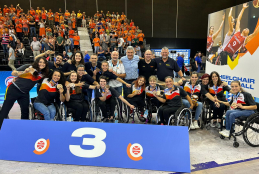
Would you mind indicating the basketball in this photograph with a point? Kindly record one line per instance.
(256, 3)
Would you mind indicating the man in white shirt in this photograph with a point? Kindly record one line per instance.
(120, 43)
(118, 69)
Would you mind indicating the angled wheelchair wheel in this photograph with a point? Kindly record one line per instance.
(31, 112)
(183, 118)
(251, 131)
(239, 127)
(124, 117)
(58, 116)
(117, 111)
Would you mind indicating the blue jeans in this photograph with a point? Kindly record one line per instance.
(89, 95)
(198, 108)
(118, 89)
(199, 67)
(49, 112)
(96, 49)
(113, 47)
(120, 49)
(66, 48)
(72, 44)
(129, 43)
(33, 30)
(232, 114)
(5, 49)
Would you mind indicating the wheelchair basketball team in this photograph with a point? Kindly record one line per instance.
(169, 100)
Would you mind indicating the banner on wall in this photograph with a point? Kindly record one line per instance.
(5, 79)
(149, 147)
(232, 45)
(185, 52)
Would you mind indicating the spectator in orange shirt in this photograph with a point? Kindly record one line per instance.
(71, 34)
(131, 22)
(48, 31)
(141, 37)
(129, 39)
(96, 42)
(12, 8)
(56, 19)
(5, 10)
(25, 26)
(74, 23)
(32, 12)
(76, 41)
(19, 30)
(50, 18)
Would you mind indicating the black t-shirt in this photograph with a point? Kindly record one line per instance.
(52, 67)
(23, 67)
(32, 25)
(89, 68)
(243, 98)
(174, 98)
(167, 68)
(109, 76)
(218, 91)
(147, 69)
(133, 89)
(77, 96)
(68, 67)
(190, 89)
(87, 79)
(100, 92)
(149, 93)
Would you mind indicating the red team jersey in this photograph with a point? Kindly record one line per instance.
(209, 43)
(235, 43)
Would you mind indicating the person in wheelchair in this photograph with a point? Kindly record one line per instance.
(105, 96)
(241, 104)
(84, 77)
(193, 89)
(51, 89)
(136, 94)
(216, 88)
(172, 99)
(75, 96)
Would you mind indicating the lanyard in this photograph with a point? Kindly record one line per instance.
(93, 68)
(236, 96)
(215, 89)
(168, 89)
(192, 88)
(154, 89)
(116, 66)
(55, 83)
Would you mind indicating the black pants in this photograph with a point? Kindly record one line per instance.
(81, 108)
(125, 88)
(165, 111)
(60, 49)
(217, 112)
(19, 35)
(154, 102)
(224, 57)
(12, 94)
(111, 103)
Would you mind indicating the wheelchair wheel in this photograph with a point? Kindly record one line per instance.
(202, 119)
(182, 117)
(222, 137)
(96, 112)
(140, 114)
(239, 128)
(236, 144)
(31, 112)
(117, 110)
(124, 117)
(58, 116)
(251, 131)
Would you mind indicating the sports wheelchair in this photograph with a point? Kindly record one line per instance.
(97, 114)
(248, 127)
(37, 115)
(70, 112)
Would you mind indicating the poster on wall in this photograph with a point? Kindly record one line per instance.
(6, 78)
(232, 45)
(173, 53)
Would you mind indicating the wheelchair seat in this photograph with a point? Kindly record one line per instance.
(242, 118)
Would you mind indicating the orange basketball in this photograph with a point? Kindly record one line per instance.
(256, 3)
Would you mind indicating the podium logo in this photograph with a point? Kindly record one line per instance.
(41, 146)
(135, 151)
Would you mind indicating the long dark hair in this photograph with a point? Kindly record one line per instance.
(44, 71)
(136, 82)
(219, 82)
(74, 60)
(62, 79)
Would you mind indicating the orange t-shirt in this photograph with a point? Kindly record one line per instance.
(32, 12)
(96, 42)
(50, 17)
(12, 9)
(48, 30)
(67, 14)
(6, 10)
(61, 33)
(18, 28)
(123, 17)
(70, 33)
(141, 37)
(74, 23)
(37, 18)
(101, 31)
(44, 16)
(76, 38)
(56, 18)
(61, 18)
(18, 12)
(92, 25)
(129, 38)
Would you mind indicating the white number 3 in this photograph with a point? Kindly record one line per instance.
(99, 145)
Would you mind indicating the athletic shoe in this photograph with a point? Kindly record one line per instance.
(111, 119)
(146, 121)
(133, 121)
(225, 133)
(105, 120)
(218, 125)
(192, 126)
(68, 118)
(195, 124)
(213, 124)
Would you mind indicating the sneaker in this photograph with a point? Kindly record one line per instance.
(218, 125)
(225, 133)
(146, 121)
(192, 126)
(195, 124)
(133, 121)
(68, 118)
(105, 120)
(162, 124)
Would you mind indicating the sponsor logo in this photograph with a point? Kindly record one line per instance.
(41, 146)
(135, 151)
(8, 80)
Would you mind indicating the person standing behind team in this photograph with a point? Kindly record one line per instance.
(130, 62)
(180, 63)
(117, 69)
(198, 62)
(166, 66)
